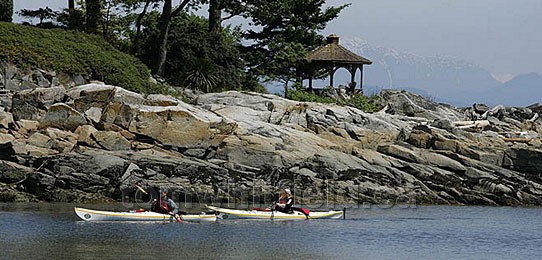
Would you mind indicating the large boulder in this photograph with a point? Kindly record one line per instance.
(31, 104)
(40, 140)
(179, 127)
(523, 160)
(62, 116)
(421, 157)
(400, 102)
(112, 141)
(161, 100)
(11, 172)
(85, 135)
(99, 96)
(6, 119)
(62, 141)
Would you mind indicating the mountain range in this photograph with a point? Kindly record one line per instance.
(442, 78)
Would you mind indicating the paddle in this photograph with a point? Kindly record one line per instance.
(141, 189)
(272, 207)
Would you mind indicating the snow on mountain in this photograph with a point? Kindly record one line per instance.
(441, 78)
(522, 90)
(444, 78)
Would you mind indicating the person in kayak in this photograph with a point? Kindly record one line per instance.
(166, 206)
(285, 202)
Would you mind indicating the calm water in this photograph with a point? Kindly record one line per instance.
(52, 231)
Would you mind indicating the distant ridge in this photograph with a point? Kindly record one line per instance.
(445, 78)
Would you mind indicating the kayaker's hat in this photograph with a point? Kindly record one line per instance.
(288, 191)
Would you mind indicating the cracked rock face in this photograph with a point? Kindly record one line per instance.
(97, 142)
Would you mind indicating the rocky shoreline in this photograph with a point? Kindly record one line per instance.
(95, 142)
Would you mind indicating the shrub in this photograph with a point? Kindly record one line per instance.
(298, 93)
(73, 52)
(368, 104)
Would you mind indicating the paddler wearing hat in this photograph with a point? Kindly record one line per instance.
(285, 201)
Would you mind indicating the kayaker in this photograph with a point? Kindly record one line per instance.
(166, 206)
(285, 202)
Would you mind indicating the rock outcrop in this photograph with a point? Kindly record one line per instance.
(97, 142)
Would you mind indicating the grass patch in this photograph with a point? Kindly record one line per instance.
(73, 52)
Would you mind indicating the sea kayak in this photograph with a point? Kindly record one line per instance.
(98, 215)
(225, 213)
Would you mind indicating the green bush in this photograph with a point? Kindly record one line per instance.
(73, 52)
(368, 104)
(298, 93)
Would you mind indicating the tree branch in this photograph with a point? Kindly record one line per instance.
(180, 8)
(228, 17)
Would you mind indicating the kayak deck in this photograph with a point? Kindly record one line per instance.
(224, 213)
(98, 215)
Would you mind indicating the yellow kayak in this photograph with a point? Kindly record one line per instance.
(98, 215)
(225, 213)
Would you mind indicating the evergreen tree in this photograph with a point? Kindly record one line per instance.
(287, 30)
(6, 10)
(42, 14)
(93, 15)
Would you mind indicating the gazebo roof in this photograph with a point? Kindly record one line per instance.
(333, 52)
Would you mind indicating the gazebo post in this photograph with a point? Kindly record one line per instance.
(352, 85)
(310, 82)
(331, 73)
(361, 79)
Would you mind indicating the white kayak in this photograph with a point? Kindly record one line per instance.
(98, 215)
(225, 213)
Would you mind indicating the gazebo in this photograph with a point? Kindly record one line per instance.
(332, 57)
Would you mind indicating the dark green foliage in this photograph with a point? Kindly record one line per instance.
(93, 15)
(42, 14)
(196, 57)
(200, 55)
(288, 30)
(366, 103)
(298, 93)
(72, 19)
(6, 10)
(72, 52)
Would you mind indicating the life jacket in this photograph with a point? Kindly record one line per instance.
(160, 206)
(288, 203)
(164, 207)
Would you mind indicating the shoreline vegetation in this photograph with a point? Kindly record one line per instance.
(67, 137)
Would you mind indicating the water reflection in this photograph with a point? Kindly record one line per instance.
(52, 231)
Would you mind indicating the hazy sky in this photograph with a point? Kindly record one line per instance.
(500, 35)
(503, 36)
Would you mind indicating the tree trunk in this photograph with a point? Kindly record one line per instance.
(135, 45)
(71, 5)
(93, 15)
(215, 16)
(163, 25)
(286, 88)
